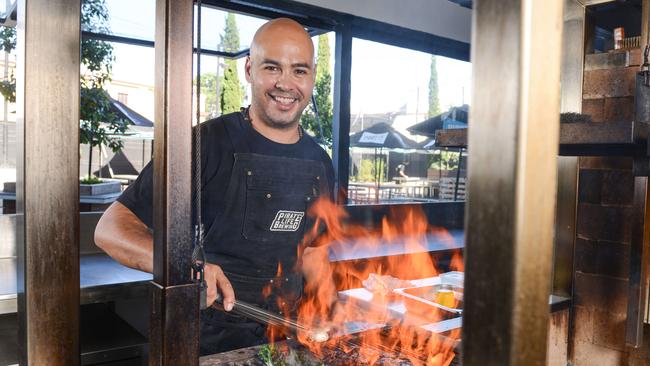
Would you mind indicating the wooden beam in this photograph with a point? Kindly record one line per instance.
(174, 329)
(513, 146)
(48, 180)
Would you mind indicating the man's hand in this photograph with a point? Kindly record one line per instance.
(218, 283)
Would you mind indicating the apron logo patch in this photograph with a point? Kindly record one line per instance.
(287, 220)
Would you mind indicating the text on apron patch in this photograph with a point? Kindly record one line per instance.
(287, 220)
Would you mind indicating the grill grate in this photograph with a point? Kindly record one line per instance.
(296, 354)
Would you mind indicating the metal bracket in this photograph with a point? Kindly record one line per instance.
(173, 345)
(641, 126)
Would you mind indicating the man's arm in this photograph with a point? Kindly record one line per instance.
(123, 236)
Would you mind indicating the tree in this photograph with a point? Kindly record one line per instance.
(209, 82)
(98, 123)
(7, 44)
(322, 95)
(434, 102)
(232, 92)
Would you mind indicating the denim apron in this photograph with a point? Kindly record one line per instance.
(258, 232)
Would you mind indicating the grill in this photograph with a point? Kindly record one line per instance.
(292, 353)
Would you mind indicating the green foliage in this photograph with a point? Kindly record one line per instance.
(269, 356)
(8, 89)
(230, 36)
(8, 44)
(7, 38)
(444, 160)
(324, 54)
(94, 16)
(90, 180)
(434, 102)
(367, 171)
(272, 356)
(98, 122)
(97, 59)
(322, 94)
(209, 83)
(232, 92)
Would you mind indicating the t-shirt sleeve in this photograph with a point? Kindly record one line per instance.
(138, 197)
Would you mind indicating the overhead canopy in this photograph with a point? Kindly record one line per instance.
(382, 135)
(455, 117)
(129, 114)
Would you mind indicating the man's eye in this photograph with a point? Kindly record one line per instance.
(271, 68)
(301, 72)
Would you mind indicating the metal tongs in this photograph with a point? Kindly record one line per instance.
(263, 316)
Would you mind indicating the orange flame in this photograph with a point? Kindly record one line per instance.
(323, 281)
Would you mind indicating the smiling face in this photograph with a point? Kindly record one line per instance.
(280, 69)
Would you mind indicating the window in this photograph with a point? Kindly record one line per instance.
(214, 24)
(132, 19)
(396, 105)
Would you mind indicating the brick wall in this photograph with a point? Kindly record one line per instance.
(602, 251)
(605, 198)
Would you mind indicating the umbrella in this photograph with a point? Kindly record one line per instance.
(129, 114)
(455, 117)
(380, 136)
(139, 128)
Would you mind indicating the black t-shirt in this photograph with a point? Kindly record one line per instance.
(138, 197)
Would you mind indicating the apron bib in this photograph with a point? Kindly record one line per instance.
(262, 223)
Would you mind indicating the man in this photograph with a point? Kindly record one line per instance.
(260, 174)
(401, 174)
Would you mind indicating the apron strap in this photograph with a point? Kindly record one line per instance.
(228, 132)
(236, 133)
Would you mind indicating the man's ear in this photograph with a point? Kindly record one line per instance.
(247, 68)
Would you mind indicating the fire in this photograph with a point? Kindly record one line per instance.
(319, 310)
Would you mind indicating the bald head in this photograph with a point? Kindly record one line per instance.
(281, 71)
(281, 30)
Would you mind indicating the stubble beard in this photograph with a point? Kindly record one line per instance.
(268, 120)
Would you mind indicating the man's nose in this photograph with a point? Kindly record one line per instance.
(284, 82)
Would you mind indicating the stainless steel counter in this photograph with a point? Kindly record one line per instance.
(101, 279)
(360, 249)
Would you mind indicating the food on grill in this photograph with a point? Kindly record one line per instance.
(319, 335)
(384, 285)
(270, 355)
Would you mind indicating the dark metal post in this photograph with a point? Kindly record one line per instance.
(637, 292)
(342, 93)
(174, 332)
(567, 189)
(48, 181)
(513, 146)
(638, 264)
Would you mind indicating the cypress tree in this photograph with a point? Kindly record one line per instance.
(322, 94)
(434, 102)
(232, 92)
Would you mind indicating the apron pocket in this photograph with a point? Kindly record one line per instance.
(271, 216)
